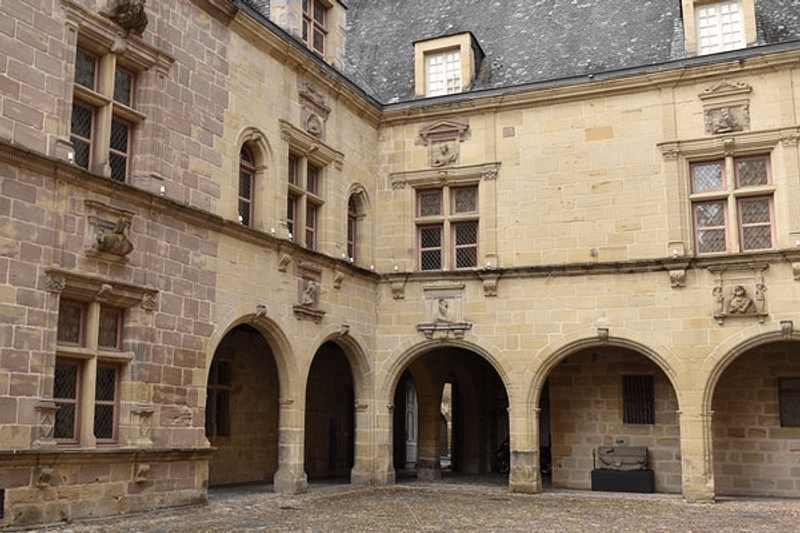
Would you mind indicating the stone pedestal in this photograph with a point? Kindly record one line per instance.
(525, 475)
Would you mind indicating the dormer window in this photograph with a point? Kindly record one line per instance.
(712, 26)
(315, 30)
(446, 65)
(443, 73)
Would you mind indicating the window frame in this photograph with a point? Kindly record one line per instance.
(249, 168)
(214, 391)
(444, 80)
(113, 403)
(108, 112)
(689, 10)
(448, 220)
(312, 26)
(76, 402)
(715, 11)
(731, 195)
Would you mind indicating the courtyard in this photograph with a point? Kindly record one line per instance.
(450, 505)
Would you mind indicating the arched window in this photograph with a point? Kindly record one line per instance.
(247, 174)
(352, 228)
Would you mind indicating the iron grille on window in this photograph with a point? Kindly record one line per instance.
(123, 87)
(639, 404)
(732, 215)
(105, 402)
(81, 134)
(71, 320)
(430, 243)
(65, 396)
(118, 155)
(108, 335)
(85, 69)
(352, 228)
(466, 244)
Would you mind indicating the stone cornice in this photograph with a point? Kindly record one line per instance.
(29, 458)
(601, 85)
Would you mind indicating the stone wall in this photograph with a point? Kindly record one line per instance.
(753, 454)
(586, 409)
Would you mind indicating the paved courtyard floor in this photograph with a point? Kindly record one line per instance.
(451, 505)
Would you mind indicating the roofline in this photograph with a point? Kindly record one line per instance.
(608, 75)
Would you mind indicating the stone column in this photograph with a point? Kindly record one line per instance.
(525, 475)
(697, 460)
(290, 477)
(384, 460)
(428, 466)
(361, 474)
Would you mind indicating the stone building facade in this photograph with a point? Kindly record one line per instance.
(254, 241)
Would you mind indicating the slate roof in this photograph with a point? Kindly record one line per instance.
(527, 41)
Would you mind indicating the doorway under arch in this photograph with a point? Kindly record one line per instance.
(242, 409)
(461, 417)
(330, 415)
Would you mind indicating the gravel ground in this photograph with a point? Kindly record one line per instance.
(451, 506)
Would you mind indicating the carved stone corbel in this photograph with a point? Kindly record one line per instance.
(338, 277)
(490, 283)
(56, 283)
(47, 410)
(129, 14)
(283, 262)
(787, 328)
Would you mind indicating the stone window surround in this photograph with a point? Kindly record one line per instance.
(689, 10)
(103, 38)
(447, 220)
(95, 292)
(470, 54)
(308, 150)
(679, 155)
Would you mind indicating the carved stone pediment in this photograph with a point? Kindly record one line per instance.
(725, 88)
(443, 130)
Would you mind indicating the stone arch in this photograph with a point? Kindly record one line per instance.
(726, 352)
(550, 356)
(352, 346)
(253, 138)
(408, 352)
(273, 332)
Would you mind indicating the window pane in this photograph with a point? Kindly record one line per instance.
(104, 421)
(319, 41)
(430, 203)
(123, 87)
(108, 335)
(82, 121)
(117, 157)
(85, 67)
(466, 236)
(312, 180)
(245, 184)
(756, 220)
(465, 200)
(430, 248)
(106, 384)
(70, 322)
(294, 175)
(65, 395)
(708, 176)
(119, 136)
(751, 172)
(65, 384)
(311, 226)
(710, 228)
(319, 13)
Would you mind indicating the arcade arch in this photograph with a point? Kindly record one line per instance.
(754, 395)
(478, 419)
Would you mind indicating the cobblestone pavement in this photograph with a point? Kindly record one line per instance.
(451, 506)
